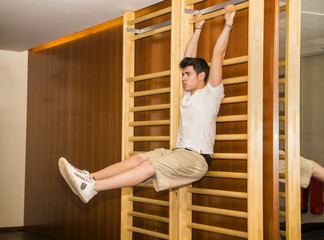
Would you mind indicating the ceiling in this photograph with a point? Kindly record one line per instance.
(27, 24)
(312, 28)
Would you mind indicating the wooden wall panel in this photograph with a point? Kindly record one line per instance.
(74, 110)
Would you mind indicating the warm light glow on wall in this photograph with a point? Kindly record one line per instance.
(81, 34)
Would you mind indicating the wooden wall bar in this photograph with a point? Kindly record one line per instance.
(74, 110)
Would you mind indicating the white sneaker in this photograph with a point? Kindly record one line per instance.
(63, 164)
(78, 180)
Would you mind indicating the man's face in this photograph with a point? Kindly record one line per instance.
(191, 82)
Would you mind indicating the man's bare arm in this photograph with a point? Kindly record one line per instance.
(192, 45)
(215, 77)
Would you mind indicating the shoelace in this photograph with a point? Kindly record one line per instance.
(87, 179)
(84, 172)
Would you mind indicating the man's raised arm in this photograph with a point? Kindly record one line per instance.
(192, 45)
(215, 77)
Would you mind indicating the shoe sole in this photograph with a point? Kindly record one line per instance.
(66, 174)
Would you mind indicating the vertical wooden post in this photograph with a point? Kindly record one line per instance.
(185, 198)
(271, 121)
(292, 124)
(255, 119)
(127, 131)
(175, 99)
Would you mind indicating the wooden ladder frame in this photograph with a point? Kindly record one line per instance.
(180, 223)
(254, 137)
(128, 115)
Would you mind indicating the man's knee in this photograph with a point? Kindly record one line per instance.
(147, 167)
(136, 159)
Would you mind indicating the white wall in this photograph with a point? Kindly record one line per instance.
(13, 105)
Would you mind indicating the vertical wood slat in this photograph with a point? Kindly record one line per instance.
(292, 123)
(127, 131)
(175, 99)
(255, 121)
(185, 198)
(270, 121)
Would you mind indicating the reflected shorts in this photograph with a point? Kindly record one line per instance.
(175, 167)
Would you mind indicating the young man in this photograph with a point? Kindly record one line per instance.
(189, 161)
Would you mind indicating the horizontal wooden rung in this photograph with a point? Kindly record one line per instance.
(150, 33)
(149, 217)
(230, 156)
(236, 60)
(282, 137)
(282, 8)
(231, 137)
(149, 138)
(149, 92)
(282, 175)
(282, 63)
(220, 174)
(282, 80)
(237, 99)
(148, 232)
(232, 118)
(149, 76)
(149, 16)
(220, 193)
(236, 80)
(282, 194)
(282, 99)
(282, 118)
(224, 231)
(150, 123)
(149, 201)
(282, 156)
(130, 153)
(150, 108)
(190, 2)
(218, 211)
(282, 233)
(221, 12)
(145, 185)
(233, 61)
(282, 214)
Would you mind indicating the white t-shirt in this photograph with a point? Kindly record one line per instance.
(197, 129)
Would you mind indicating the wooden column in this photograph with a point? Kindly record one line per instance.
(185, 198)
(127, 146)
(292, 124)
(175, 99)
(255, 119)
(271, 121)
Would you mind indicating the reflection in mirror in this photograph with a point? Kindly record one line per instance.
(311, 113)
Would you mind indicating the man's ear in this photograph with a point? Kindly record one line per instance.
(201, 76)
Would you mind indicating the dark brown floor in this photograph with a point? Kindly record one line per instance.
(22, 234)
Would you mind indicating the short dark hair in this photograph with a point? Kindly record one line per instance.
(198, 64)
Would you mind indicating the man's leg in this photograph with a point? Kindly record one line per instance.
(127, 173)
(128, 178)
(318, 172)
(117, 168)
